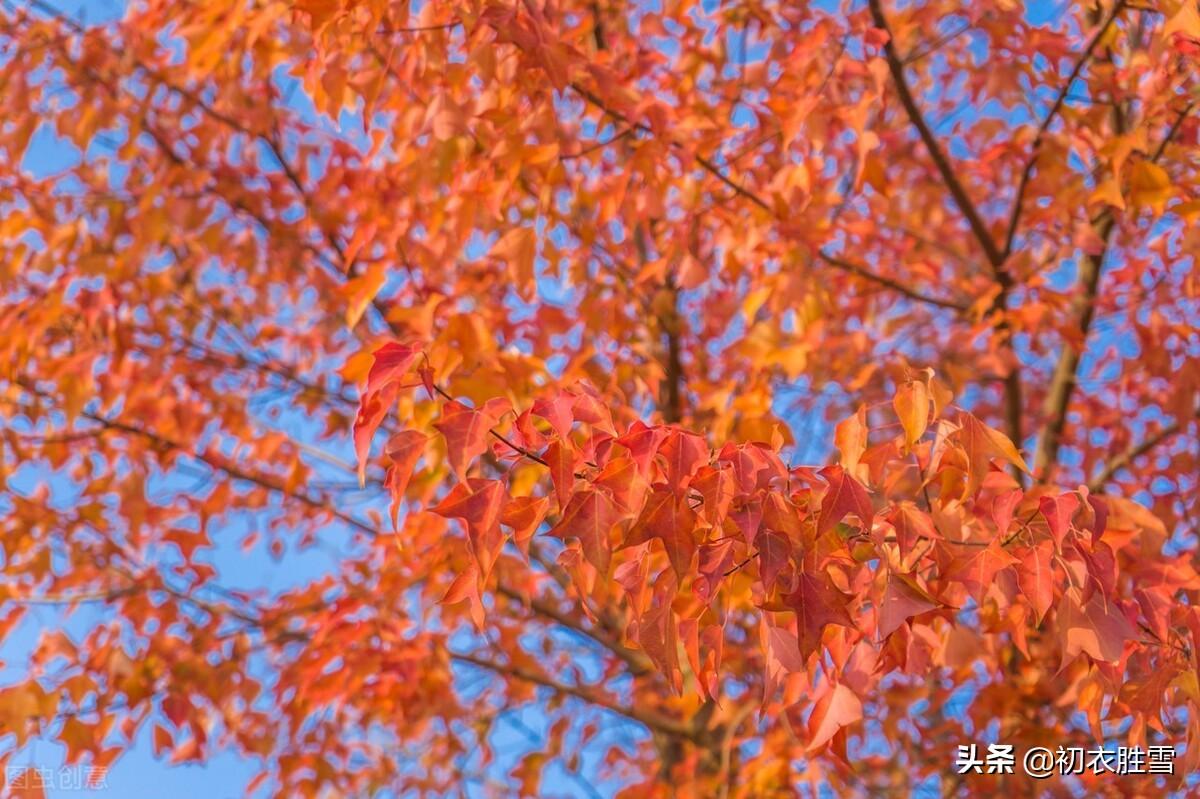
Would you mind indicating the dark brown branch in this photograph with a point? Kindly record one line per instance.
(1064, 380)
(638, 663)
(759, 201)
(1127, 457)
(895, 285)
(652, 721)
(1014, 220)
(1012, 382)
(940, 160)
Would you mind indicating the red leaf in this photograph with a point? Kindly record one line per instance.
(372, 408)
(982, 443)
(466, 431)
(845, 495)
(1035, 575)
(684, 453)
(478, 504)
(1058, 512)
(817, 603)
(715, 485)
(391, 363)
(976, 569)
(589, 517)
(561, 459)
(715, 560)
(668, 517)
(523, 515)
(657, 636)
(774, 553)
(835, 710)
(642, 443)
(911, 524)
(466, 586)
(162, 740)
(1098, 629)
(558, 411)
(902, 599)
(404, 449)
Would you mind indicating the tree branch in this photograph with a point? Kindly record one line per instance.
(1063, 382)
(940, 159)
(638, 663)
(1127, 457)
(761, 203)
(1012, 381)
(1015, 217)
(653, 721)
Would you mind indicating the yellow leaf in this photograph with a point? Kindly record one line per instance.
(1188, 209)
(1108, 192)
(518, 248)
(1186, 21)
(754, 300)
(1149, 186)
(850, 437)
(912, 406)
(360, 291)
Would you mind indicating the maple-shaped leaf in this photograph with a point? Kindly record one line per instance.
(835, 710)
(981, 444)
(624, 482)
(1098, 628)
(561, 457)
(523, 515)
(1101, 568)
(478, 503)
(372, 409)
(1003, 507)
(774, 554)
(845, 495)
(589, 518)
(782, 657)
(714, 561)
(642, 442)
(1147, 693)
(715, 485)
(390, 362)
(976, 567)
(466, 430)
(1058, 510)
(912, 525)
(817, 603)
(668, 517)
(903, 598)
(589, 408)
(466, 587)
(657, 635)
(1156, 603)
(747, 517)
(404, 450)
(558, 410)
(1149, 186)
(1035, 576)
(682, 454)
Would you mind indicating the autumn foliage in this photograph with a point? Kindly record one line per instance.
(686, 399)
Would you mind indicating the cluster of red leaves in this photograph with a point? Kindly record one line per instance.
(851, 572)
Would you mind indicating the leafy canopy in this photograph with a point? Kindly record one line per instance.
(540, 322)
